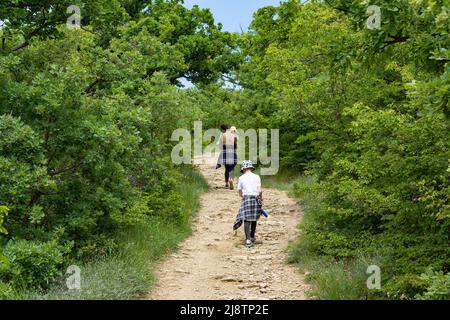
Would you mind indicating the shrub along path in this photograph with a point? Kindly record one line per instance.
(214, 264)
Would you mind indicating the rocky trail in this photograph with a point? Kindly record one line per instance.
(213, 263)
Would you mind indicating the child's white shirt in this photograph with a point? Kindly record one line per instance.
(250, 184)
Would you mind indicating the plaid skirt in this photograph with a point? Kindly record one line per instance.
(250, 210)
(228, 155)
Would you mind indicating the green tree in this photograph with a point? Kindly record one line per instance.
(371, 108)
(207, 52)
(3, 212)
(86, 117)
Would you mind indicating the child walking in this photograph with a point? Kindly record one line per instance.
(249, 187)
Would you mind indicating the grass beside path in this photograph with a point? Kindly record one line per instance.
(329, 279)
(129, 273)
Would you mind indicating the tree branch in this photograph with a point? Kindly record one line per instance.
(395, 40)
(301, 59)
(63, 170)
(91, 86)
(20, 46)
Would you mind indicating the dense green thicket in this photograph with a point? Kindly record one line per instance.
(366, 112)
(86, 117)
(128, 272)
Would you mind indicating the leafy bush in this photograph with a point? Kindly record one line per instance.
(3, 212)
(404, 287)
(437, 286)
(128, 271)
(85, 136)
(33, 264)
(372, 110)
(95, 247)
(167, 207)
(7, 292)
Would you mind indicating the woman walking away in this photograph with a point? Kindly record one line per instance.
(249, 186)
(228, 156)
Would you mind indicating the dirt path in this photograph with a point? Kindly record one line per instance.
(214, 264)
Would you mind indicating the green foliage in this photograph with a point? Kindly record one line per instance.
(128, 271)
(7, 292)
(438, 286)
(3, 213)
(339, 281)
(405, 286)
(86, 117)
(366, 112)
(203, 51)
(32, 264)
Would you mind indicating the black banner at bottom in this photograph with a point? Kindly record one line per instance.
(235, 310)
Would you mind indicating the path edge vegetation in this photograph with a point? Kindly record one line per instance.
(129, 272)
(332, 278)
(364, 114)
(86, 118)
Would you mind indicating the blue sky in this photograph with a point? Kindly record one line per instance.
(233, 14)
